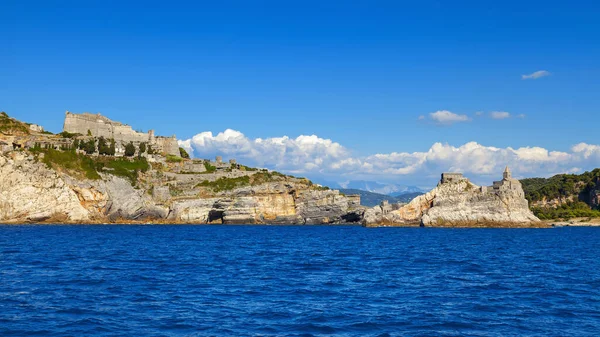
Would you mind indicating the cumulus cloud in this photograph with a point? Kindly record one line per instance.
(313, 156)
(536, 75)
(499, 114)
(447, 117)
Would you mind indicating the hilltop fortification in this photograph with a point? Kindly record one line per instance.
(96, 125)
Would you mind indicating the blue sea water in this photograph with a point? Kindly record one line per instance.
(298, 281)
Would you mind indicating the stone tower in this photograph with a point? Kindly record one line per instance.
(507, 175)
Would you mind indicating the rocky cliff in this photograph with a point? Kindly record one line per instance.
(460, 203)
(31, 190)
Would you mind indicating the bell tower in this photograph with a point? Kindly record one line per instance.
(507, 175)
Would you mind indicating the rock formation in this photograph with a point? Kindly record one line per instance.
(32, 191)
(456, 201)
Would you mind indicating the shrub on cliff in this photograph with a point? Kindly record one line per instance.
(183, 153)
(103, 147)
(142, 147)
(130, 149)
(66, 134)
(12, 126)
(225, 184)
(126, 168)
(173, 159)
(209, 167)
(89, 147)
(74, 163)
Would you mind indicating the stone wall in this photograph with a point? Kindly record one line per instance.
(100, 126)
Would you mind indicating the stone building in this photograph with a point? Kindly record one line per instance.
(451, 177)
(97, 125)
(508, 183)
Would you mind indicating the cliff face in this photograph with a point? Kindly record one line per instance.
(31, 191)
(457, 203)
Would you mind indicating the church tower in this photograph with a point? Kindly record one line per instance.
(507, 174)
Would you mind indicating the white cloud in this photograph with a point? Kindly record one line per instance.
(317, 157)
(479, 113)
(447, 117)
(536, 75)
(499, 114)
(521, 116)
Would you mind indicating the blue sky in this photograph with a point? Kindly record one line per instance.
(358, 73)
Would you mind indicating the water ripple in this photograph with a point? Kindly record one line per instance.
(298, 281)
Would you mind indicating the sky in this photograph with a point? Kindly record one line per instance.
(389, 91)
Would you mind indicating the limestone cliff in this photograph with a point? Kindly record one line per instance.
(457, 202)
(31, 190)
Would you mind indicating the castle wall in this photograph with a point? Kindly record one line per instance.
(101, 126)
(168, 145)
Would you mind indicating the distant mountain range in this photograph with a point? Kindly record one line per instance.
(373, 186)
(371, 199)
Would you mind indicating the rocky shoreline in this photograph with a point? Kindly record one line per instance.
(72, 178)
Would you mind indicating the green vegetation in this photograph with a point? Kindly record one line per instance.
(561, 185)
(209, 167)
(247, 168)
(89, 167)
(567, 211)
(70, 161)
(265, 177)
(142, 147)
(183, 153)
(66, 134)
(129, 149)
(105, 148)
(226, 184)
(577, 186)
(127, 168)
(10, 126)
(173, 159)
(88, 146)
(151, 150)
(89, 133)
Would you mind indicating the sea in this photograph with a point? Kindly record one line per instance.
(179, 280)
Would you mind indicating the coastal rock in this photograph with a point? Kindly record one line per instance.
(457, 201)
(321, 207)
(31, 191)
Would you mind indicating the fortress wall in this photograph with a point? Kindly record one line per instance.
(101, 126)
(168, 145)
(126, 134)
